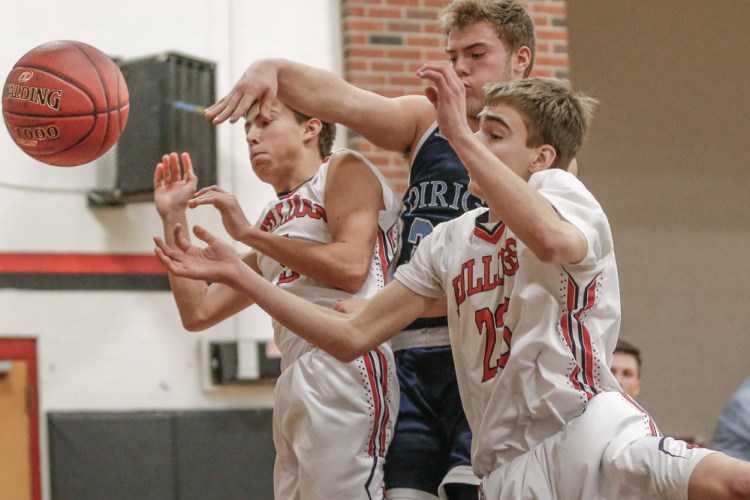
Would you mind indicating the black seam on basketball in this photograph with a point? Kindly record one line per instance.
(28, 115)
(106, 96)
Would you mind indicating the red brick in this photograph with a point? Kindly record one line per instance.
(385, 13)
(403, 27)
(386, 65)
(423, 41)
(559, 61)
(404, 53)
(404, 80)
(549, 8)
(552, 34)
(363, 51)
(361, 25)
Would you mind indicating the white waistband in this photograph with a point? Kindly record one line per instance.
(421, 337)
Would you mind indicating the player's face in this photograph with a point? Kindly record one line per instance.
(479, 57)
(625, 369)
(503, 131)
(274, 144)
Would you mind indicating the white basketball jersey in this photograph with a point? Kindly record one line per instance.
(301, 214)
(532, 341)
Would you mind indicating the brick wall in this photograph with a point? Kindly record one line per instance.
(385, 41)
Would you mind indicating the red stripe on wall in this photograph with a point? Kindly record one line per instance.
(77, 263)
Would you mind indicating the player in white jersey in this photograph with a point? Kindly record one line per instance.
(331, 235)
(533, 308)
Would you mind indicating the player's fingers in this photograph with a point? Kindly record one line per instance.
(209, 189)
(159, 175)
(266, 101)
(167, 170)
(216, 108)
(432, 95)
(174, 167)
(245, 104)
(179, 238)
(203, 234)
(227, 108)
(165, 249)
(187, 166)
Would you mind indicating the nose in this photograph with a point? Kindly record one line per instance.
(252, 137)
(461, 66)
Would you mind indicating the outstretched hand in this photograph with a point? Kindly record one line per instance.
(174, 183)
(448, 95)
(234, 219)
(214, 263)
(255, 90)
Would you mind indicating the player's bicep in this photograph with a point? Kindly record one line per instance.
(394, 124)
(354, 197)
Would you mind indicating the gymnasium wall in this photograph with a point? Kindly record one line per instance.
(667, 159)
(117, 345)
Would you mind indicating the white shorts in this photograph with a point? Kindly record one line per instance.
(332, 424)
(612, 451)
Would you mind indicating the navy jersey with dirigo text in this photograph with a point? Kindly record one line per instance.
(438, 192)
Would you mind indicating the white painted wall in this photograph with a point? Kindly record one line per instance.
(127, 350)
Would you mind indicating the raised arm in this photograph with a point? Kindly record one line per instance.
(200, 305)
(395, 124)
(527, 213)
(343, 336)
(353, 198)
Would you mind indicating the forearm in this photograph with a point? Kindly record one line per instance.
(322, 327)
(331, 263)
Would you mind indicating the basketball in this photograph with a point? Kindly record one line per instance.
(65, 103)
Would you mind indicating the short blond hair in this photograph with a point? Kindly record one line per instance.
(514, 25)
(552, 112)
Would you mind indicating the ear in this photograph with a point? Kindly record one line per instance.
(545, 157)
(313, 127)
(521, 61)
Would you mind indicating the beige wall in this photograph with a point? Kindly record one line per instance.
(669, 159)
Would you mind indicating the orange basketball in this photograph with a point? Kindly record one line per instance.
(65, 103)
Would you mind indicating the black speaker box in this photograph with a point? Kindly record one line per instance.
(168, 93)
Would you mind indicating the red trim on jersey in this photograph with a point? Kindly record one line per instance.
(573, 328)
(489, 236)
(651, 424)
(370, 369)
(382, 254)
(386, 409)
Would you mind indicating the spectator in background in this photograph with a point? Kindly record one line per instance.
(732, 435)
(626, 367)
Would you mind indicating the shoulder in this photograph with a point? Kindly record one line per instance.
(348, 164)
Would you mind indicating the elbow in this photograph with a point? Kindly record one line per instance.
(353, 279)
(548, 248)
(195, 323)
(351, 347)
(193, 326)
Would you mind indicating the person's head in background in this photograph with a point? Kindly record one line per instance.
(626, 367)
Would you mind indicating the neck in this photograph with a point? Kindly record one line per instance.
(301, 169)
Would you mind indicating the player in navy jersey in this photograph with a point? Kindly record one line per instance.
(487, 41)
